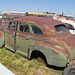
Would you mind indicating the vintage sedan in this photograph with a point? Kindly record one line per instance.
(42, 38)
(6, 18)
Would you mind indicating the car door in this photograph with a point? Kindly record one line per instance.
(10, 36)
(22, 38)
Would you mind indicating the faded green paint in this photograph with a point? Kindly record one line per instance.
(22, 45)
(68, 48)
(73, 54)
(53, 48)
(1, 42)
(52, 30)
(9, 41)
(51, 56)
(1, 38)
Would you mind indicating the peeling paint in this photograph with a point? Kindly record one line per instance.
(58, 48)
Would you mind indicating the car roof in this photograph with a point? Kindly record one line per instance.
(39, 20)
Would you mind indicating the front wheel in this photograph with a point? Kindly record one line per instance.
(70, 70)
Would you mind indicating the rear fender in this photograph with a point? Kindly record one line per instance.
(53, 56)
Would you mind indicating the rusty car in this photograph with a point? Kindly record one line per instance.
(6, 18)
(45, 39)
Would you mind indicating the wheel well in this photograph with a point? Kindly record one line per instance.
(36, 54)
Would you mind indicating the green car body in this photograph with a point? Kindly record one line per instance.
(34, 36)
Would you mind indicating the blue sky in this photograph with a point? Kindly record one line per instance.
(55, 6)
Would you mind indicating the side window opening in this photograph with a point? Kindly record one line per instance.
(36, 30)
(12, 25)
(61, 28)
(21, 28)
(24, 28)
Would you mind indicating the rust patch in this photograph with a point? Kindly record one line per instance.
(40, 60)
(0, 34)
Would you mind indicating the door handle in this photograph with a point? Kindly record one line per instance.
(13, 34)
(27, 38)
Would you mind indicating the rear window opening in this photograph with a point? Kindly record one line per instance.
(61, 28)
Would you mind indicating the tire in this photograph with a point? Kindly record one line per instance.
(70, 70)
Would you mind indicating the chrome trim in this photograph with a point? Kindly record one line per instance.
(35, 39)
(30, 38)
